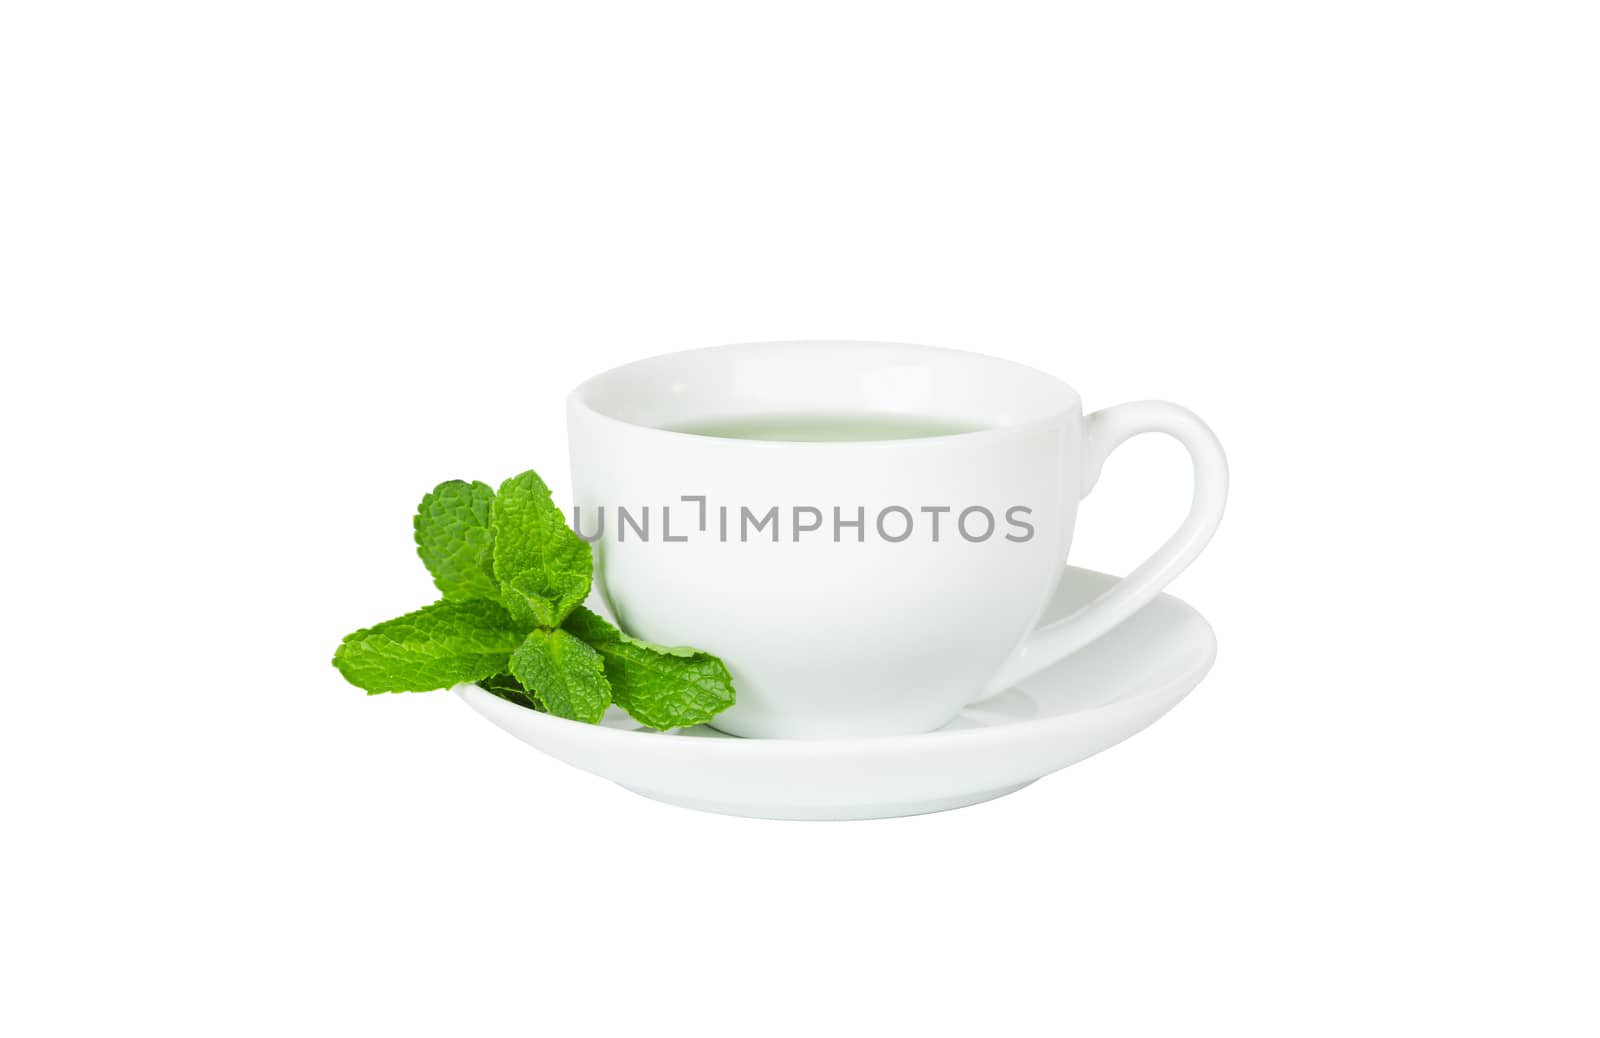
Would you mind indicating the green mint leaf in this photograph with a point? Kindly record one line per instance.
(590, 626)
(542, 601)
(663, 686)
(510, 689)
(437, 646)
(543, 568)
(566, 676)
(666, 687)
(455, 540)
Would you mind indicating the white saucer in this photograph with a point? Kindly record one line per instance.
(1091, 701)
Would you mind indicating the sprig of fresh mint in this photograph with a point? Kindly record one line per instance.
(513, 577)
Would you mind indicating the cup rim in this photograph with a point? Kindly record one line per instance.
(1066, 400)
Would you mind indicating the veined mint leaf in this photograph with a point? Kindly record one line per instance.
(666, 688)
(510, 689)
(591, 626)
(455, 541)
(543, 568)
(542, 601)
(563, 674)
(437, 646)
(663, 686)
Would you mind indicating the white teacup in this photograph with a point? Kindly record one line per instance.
(836, 629)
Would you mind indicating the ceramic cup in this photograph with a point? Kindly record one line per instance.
(858, 588)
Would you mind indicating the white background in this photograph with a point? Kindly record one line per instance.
(270, 271)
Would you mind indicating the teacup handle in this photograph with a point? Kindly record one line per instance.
(1103, 432)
